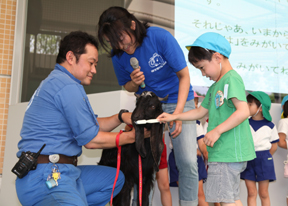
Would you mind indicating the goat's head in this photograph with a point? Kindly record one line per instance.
(148, 106)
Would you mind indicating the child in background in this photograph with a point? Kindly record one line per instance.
(201, 150)
(265, 138)
(163, 179)
(229, 138)
(283, 128)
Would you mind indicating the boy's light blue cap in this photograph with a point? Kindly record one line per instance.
(285, 99)
(213, 41)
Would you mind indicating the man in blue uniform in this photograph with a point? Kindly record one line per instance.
(59, 115)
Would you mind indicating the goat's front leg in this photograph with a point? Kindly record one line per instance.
(124, 196)
(145, 194)
(122, 199)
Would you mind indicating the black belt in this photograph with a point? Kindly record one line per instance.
(62, 160)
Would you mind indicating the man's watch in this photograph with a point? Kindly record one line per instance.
(120, 114)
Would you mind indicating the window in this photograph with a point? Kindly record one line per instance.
(50, 20)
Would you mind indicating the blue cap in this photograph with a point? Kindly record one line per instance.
(213, 41)
(285, 99)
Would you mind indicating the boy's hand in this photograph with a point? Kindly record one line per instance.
(199, 153)
(202, 148)
(205, 155)
(211, 137)
(165, 117)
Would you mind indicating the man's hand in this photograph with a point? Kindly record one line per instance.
(147, 133)
(126, 117)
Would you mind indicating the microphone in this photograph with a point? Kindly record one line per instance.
(135, 65)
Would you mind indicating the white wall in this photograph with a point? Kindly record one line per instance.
(106, 104)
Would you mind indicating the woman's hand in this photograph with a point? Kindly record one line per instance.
(178, 128)
(137, 77)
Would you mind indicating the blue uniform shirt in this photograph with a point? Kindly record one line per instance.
(160, 57)
(59, 115)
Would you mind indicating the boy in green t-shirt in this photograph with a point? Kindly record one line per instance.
(229, 140)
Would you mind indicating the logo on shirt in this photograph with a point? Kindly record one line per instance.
(156, 61)
(219, 99)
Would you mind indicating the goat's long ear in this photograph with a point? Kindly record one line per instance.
(139, 140)
(156, 142)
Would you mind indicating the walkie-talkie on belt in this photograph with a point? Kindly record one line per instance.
(26, 162)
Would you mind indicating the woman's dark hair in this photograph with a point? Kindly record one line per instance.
(285, 109)
(76, 42)
(197, 54)
(251, 99)
(113, 22)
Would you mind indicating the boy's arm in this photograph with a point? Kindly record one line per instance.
(282, 141)
(273, 148)
(241, 113)
(192, 114)
(202, 148)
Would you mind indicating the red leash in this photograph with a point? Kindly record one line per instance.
(118, 164)
(118, 168)
(140, 175)
(140, 180)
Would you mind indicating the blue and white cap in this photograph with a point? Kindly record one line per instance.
(213, 41)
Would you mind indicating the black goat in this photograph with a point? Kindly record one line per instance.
(148, 106)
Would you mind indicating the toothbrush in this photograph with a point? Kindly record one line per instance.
(148, 121)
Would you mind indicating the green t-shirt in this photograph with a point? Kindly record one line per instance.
(235, 145)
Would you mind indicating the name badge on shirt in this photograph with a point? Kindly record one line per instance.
(219, 99)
